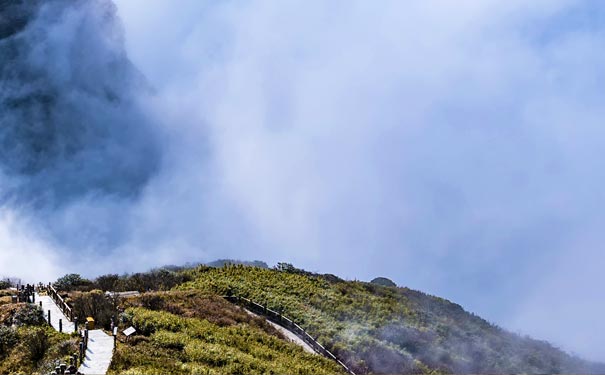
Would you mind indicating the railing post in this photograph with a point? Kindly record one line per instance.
(60, 325)
(49, 318)
(284, 321)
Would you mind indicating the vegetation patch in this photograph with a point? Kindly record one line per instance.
(373, 327)
(27, 344)
(196, 304)
(169, 343)
(385, 329)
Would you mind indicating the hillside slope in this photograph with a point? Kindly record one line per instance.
(194, 333)
(186, 326)
(378, 329)
(27, 344)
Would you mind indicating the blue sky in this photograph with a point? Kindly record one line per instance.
(455, 147)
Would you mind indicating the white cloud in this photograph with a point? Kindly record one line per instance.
(24, 255)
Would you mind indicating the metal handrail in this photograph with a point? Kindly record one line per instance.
(67, 311)
(287, 323)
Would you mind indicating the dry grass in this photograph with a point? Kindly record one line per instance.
(194, 304)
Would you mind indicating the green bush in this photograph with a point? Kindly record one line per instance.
(94, 304)
(107, 282)
(148, 322)
(154, 280)
(71, 282)
(28, 346)
(29, 315)
(383, 281)
(170, 340)
(198, 346)
(8, 339)
(35, 341)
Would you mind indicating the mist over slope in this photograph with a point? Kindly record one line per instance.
(389, 330)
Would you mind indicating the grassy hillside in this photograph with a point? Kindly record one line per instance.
(383, 329)
(27, 344)
(193, 333)
(373, 327)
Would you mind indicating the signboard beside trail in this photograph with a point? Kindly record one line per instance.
(129, 331)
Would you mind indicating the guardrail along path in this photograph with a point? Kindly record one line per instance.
(288, 324)
(96, 359)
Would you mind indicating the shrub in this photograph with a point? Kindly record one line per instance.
(383, 281)
(35, 341)
(157, 279)
(152, 301)
(8, 338)
(197, 346)
(107, 282)
(148, 322)
(30, 315)
(71, 282)
(170, 340)
(289, 268)
(20, 314)
(96, 304)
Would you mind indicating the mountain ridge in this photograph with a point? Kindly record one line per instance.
(372, 328)
(407, 329)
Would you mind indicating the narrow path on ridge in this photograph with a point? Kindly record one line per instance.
(100, 345)
(98, 353)
(286, 326)
(55, 314)
(291, 336)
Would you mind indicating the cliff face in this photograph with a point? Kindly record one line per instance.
(70, 122)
